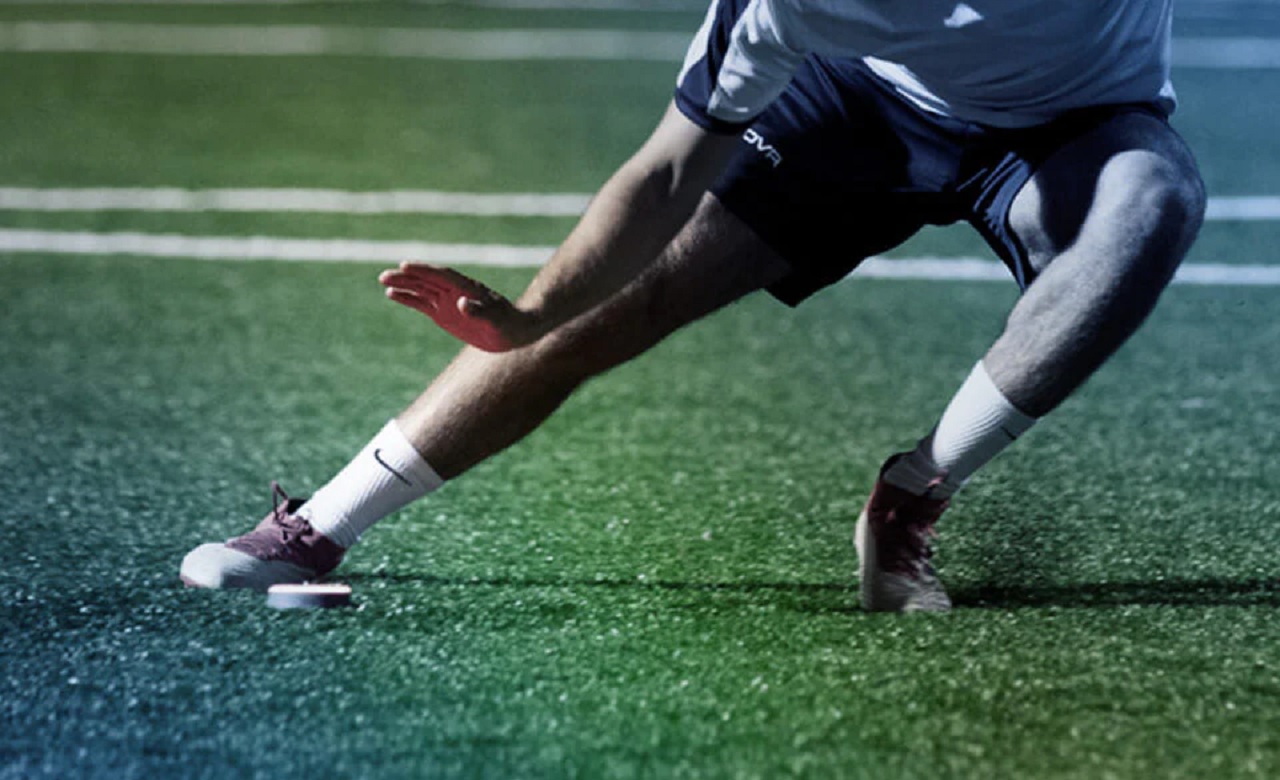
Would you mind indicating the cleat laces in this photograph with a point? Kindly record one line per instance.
(291, 526)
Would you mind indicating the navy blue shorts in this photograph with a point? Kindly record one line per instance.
(840, 168)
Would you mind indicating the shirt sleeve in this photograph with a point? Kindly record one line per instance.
(736, 66)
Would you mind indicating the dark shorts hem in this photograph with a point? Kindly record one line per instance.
(841, 168)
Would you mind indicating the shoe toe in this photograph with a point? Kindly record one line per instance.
(930, 600)
(883, 591)
(218, 566)
(206, 566)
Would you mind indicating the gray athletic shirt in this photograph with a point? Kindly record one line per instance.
(1007, 63)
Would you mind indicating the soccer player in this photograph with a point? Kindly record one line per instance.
(804, 136)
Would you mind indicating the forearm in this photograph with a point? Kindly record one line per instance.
(626, 226)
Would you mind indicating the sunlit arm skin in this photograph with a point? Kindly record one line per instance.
(627, 224)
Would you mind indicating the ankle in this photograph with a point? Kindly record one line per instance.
(918, 474)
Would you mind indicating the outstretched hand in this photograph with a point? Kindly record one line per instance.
(459, 304)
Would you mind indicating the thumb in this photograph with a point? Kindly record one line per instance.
(469, 307)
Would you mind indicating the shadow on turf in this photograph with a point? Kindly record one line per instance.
(515, 582)
(1204, 593)
(1162, 593)
(821, 597)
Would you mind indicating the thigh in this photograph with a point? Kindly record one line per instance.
(716, 259)
(713, 261)
(839, 169)
(1128, 185)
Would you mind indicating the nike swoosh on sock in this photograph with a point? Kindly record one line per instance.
(377, 455)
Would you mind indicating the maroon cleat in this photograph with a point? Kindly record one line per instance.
(284, 548)
(893, 538)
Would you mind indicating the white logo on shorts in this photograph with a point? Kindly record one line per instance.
(963, 16)
(767, 149)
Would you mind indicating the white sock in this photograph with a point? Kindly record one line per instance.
(386, 475)
(977, 425)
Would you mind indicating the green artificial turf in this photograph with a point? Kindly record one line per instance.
(658, 583)
(352, 123)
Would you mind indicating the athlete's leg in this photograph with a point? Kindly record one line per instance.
(484, 402)
(1105, 222)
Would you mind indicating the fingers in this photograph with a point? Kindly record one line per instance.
(429, 289)
(457, 303)
(425, 286)
(412, 299)
(423, 291)
(411, 275)
(425, 305)
(429, 277)
(401, 290)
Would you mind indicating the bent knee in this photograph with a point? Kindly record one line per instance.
(1149, 209)
(1165, 195)
(1133, 183)
(1142, 204)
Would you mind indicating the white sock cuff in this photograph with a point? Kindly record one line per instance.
(385, 476)
(977, 424)
(396, 453)
(981, 388)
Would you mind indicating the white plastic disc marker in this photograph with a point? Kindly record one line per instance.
(309, 596)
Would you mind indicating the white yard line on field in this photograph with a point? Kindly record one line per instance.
(267, 248)
(1215, 9)
(319, 201)
(294, 200)
(310, 40)
(456, 44)
(657, 6)
(1243, 208)
(160, 3)
(689, 6)
(1227, 53)
(1233, 10)
(978, 270)
(391, 252)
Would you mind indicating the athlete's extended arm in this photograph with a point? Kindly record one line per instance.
(627, 224)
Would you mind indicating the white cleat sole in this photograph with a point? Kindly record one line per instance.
(220, 567)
